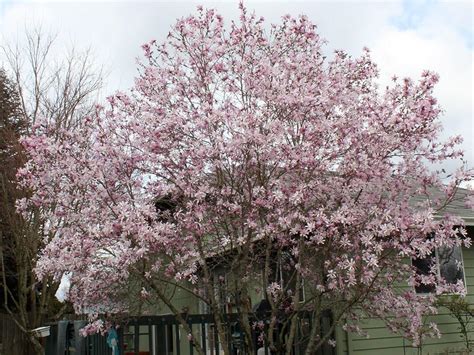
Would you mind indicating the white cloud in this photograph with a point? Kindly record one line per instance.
(439, 42)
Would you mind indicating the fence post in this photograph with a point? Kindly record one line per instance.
(216, 339)
(191, 341)
(178, 349)
(61, 337)
(151, 345)
(79, 340)
(203, 335)
(136, 336)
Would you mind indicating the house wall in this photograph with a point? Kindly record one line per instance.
(381, 341)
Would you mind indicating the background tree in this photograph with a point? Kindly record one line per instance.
(11, 127)
(275, 163)
(19, 294)
(61, 92)
(59, 85)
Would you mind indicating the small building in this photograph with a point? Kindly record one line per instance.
(161, 333)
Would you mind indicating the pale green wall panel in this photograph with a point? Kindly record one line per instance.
(382, 342)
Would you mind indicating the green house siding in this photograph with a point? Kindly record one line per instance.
(381, 341)
(181, 300)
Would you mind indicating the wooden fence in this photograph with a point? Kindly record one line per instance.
(12, 339)
(163, 335)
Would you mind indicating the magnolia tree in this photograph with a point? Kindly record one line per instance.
(243, 154)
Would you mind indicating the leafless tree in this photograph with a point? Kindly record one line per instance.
(60, 93)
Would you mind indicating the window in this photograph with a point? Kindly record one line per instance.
(284, 273)
(221, 294)
(445, 263)
(221, 291)
(451, 264)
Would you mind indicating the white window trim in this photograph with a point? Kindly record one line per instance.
(282, 284)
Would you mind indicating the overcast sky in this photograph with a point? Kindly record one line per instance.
(404, 37)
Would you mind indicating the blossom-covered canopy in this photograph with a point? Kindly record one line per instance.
(256, 136)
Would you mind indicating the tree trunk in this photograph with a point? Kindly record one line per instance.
(314, 335)
(37, 347)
